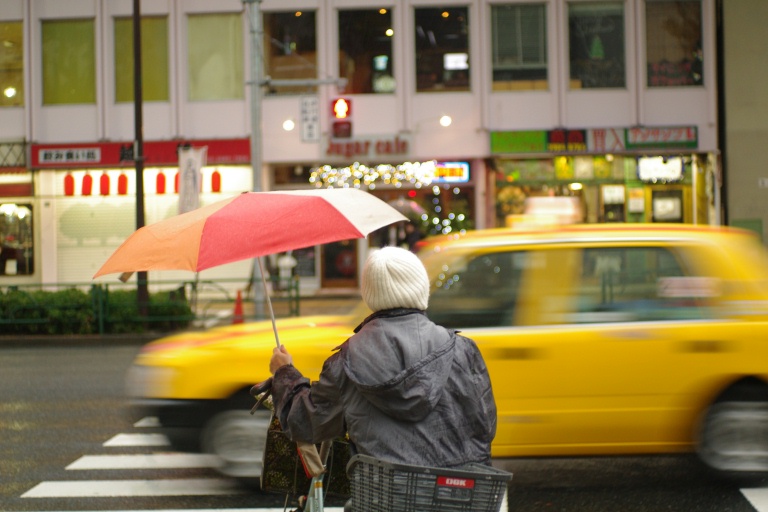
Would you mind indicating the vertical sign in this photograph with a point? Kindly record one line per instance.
(191, 162)
(310, 119)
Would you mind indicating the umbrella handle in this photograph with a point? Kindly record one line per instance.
(269, 301)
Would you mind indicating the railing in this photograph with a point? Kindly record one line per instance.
(196, 303)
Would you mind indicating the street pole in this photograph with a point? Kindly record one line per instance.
(256, 34)
(142, 291)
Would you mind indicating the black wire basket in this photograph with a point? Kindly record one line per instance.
(380, 486)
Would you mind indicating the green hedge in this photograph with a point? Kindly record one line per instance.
(73, 311)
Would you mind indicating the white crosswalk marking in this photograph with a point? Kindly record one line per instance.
(148, 422)
(122, 488)
(138, 440)
(758, 498)
(155, 487)
(142, 461)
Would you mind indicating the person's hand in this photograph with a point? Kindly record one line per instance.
(280, 358)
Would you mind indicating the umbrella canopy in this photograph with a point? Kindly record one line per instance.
(251, 225)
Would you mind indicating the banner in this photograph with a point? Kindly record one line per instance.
(191, 161)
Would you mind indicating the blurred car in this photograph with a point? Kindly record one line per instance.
(600, 340)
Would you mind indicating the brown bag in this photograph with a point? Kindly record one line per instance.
(284, 472)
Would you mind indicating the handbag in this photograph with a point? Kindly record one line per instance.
(283, 470)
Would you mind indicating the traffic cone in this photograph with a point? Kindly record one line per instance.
(237, 317)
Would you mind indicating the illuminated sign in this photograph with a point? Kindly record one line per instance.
(660, 169)
(452, 172)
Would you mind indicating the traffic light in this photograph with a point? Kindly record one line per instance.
(341, 124)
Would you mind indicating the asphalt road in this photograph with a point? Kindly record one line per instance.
(60, 406)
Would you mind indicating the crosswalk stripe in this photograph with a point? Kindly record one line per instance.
(138, 440)
(758, 498)
(146, 461)
(128, 488)
(148, 422)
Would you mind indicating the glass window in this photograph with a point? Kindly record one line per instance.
(154, 59)
(290, 50)
(596, 44)
(215, 57)
(479, 291)
(11, 64)
(69, 62)
(673, 42)
(16, 241)
(442, 49)
(639, 284)
(365, 51)
(519, 46)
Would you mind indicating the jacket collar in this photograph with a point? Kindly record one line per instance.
(390, 313)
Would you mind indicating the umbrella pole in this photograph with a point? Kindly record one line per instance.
(269, 302)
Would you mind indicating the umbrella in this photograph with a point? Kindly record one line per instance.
(250, 225)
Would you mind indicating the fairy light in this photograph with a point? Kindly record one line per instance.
(359, 175)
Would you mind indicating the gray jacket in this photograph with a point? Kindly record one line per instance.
(405, 389)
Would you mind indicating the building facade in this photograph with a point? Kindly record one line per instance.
(458, 112)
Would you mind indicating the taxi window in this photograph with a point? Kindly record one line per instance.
(477, 290)
(639, 284)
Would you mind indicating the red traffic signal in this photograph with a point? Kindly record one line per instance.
(341, 108)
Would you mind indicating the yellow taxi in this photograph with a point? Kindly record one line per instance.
(599, 339)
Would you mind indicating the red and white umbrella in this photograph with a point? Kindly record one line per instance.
(251, 225)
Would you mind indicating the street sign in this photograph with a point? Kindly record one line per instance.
(310, 119)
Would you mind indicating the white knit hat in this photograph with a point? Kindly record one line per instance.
(394, 278)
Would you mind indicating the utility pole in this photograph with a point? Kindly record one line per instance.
(256, 82)
(256, 34)
(142, 290)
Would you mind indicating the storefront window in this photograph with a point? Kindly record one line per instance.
(11, 64)
(69, 62)
(365, 51)
(16, 242)
(442, 49)
(290, 50)
(519, 46)
(596, 44)
(673, 42)
(215, 57)
(154, 59)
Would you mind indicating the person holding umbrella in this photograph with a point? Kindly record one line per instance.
(404, 389)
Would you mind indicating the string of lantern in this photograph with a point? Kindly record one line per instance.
(358, 175)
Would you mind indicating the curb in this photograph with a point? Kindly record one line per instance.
(25, 341)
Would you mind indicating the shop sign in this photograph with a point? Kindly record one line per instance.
(451, 172)
(90, 155)
(367, 148)
(593, 140)
(662, 137)
(120, 154)
(655, 169)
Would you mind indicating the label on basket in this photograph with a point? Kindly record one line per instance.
(453, 481)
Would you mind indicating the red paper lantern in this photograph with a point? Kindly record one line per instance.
(160, 183)
(122, 184)
(69, 185)
(104, 184)
(87, 185)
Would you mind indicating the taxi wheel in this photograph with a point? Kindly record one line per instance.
(734, 437)
(238, 439)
